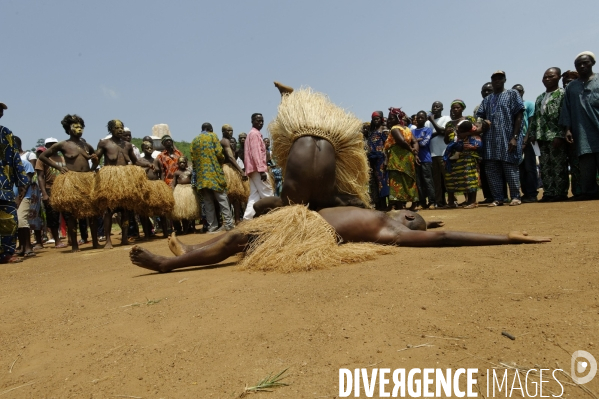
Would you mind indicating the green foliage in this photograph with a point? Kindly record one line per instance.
(182, 146)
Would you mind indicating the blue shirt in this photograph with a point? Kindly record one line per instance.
(580, 112)
(501, 109)
(529, 111)
(12, 171)
(425, 134)
(28, 169)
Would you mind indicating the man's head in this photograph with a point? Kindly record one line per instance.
(147, 138)
(551, 78)
(421, 118)
(227, 131)
(233, 143)
(436, 109)
(182, 163)
(257, 121)
(167, 142)
(73, 125)
(2, 108)
(365, 129)
(376, 120)
(242, 137)
(520, 89)
(126, 134)
(568, 76)
(410, 219)
(49, 142)
(39, 150)
(584, 64)
(266, 142)
(207, 127)
(116, 127)
(413, 119)
(498, 81)
(147, 147)
(486, 89)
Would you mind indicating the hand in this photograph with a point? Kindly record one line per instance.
(244, 177)
(45, 197)
(93, 157)
(417, 160)
(433, 224)
(569, 137)
(420, 139)
(263, 176)
(558, 142)
(532, 140)
(522, 237)
(512, 145)
(64, 169)
(430, 118)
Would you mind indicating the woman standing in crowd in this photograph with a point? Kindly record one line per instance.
(401, 149)
(378, 162)
(463, 177)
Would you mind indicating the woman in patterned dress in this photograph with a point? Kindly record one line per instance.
(378, 162)
(401, 149)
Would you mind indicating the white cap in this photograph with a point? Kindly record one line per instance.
(127, 130)
(587, 53)
(50, 140)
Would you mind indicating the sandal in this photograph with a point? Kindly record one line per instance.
(61, 245)
(495, 203)
(81, 242)
(471, 206)
(515, 202)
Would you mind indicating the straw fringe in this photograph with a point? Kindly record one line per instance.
(306, 113)
(294, 238)
(120, 187)
(160, 200)
(237, 189)
(72, 192)
(187, 203)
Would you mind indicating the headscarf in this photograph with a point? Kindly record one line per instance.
(570, 74)
(399, 113)
(458, 101)
(378, 113)
(586, 53)
(166, 137)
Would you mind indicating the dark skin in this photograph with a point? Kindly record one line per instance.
(551, 79)
(229, 153)
(153, 174)
(118, 152)
(376, 125)
(182, 176)
(486, 90)
(76, 154)
(520, 90)
(498, 83)
(41, 179)
(436, 110)
(393, 120)
(584, 67)
(258, 124)
(240, 151)
(352, 224)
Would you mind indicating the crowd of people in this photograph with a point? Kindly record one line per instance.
(425, 160)
(509, 147)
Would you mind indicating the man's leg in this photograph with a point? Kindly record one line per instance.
(574, 164)
(429, 187)
(223, 201)
(420, 186)
(223, 247)
(24, 231)
(83, 229)
(72, 231)
(258, 189)
(209, 208)
(125, 227)
(108, 228)
(588, 174)
(528, 174)
(510, 170)
(484, 182)
(494, 176)
(53, 222)
(438, 176)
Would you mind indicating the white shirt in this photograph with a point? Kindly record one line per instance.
(437, 143)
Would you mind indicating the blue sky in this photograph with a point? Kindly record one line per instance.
(188, 62)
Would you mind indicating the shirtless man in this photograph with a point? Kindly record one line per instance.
(400, 228)
(147, 149)
(229, 153)
(76, 154)
(117, 152)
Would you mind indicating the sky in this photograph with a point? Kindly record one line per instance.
(192, 61)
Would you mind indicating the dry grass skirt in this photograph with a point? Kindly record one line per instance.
(72, 192)
(294, 238)
(237, 189)
(120, 187)
(306, 113)
(187, 203)
(159, 202)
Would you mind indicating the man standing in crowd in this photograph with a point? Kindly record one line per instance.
(545, 130)
(502, 144)
(255, 165)
(580, 116)
(12, 173)
(529, 181)
(208, 177)
(484, 182)
(241, 150)
(437, 123)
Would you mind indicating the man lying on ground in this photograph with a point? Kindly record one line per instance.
(351, 224)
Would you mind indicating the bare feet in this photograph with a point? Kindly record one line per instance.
(433, 224)
(177, 247)
(283, 89)
(108, 245)
(144, 258)
(522, 237)
(74, 250)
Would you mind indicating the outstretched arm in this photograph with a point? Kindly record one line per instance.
(414, 238)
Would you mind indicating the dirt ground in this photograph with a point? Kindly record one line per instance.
(92, 325)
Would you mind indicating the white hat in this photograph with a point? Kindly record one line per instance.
(50, 140)
(127, 130)
(587, 53)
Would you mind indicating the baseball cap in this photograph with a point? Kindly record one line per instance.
(40, 149)
(499, 72)
(50, 140)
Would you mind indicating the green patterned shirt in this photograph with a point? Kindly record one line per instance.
(206, 159)
(544, 124)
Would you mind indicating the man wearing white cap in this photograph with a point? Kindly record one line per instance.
(580, 116)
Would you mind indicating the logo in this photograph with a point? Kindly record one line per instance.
(583, 363)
